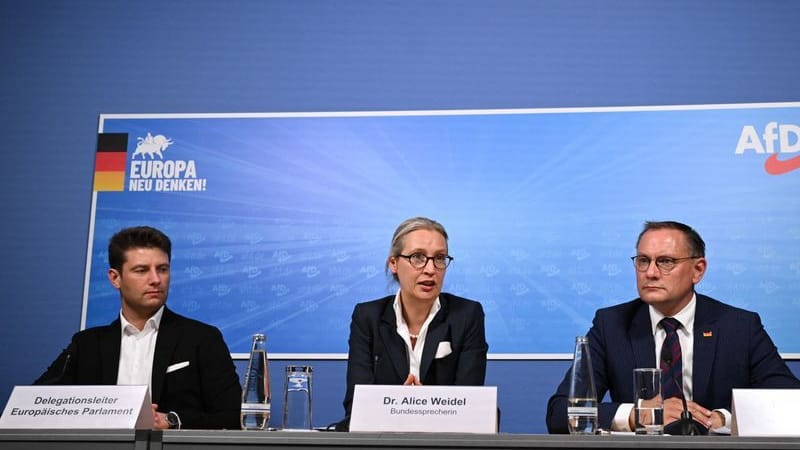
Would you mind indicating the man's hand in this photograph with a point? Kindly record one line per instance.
(710, 419)
(411, 380)
(673, 407)
(645, 414)
(159, 418)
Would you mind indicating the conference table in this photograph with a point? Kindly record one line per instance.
(246, 440)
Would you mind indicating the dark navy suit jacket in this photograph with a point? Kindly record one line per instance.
(731, 350)
(205, 394)
(378, 354)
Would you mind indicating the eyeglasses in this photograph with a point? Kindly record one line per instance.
(664, 263)
(419, 260)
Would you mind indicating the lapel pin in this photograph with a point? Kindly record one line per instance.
(708, 334)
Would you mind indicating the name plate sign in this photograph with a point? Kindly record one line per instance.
(120, 407)
(765, 412)
(456, 409)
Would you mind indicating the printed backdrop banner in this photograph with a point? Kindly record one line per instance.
(281, 223)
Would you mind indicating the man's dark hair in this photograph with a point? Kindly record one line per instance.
(696, 245)
(136, 237)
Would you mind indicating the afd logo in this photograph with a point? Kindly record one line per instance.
(775, 140)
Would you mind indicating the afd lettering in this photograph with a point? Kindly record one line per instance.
(788, 142)
(776, 139)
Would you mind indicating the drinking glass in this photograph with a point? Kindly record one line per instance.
(648, 406)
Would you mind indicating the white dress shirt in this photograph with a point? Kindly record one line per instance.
(136, 351)
(415, 352)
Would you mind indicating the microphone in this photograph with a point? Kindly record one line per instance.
(59, 377)
(688, 427)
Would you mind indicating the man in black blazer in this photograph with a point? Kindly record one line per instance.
(729, 345)
(192, 378)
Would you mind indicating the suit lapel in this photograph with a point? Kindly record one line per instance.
(393, 344)
(109, 352)
(168, 333)
(437, 332)
(640, 333)
(705, 345)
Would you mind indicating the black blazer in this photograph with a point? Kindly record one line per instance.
(731, 350)
(378, 354)
(205, 394)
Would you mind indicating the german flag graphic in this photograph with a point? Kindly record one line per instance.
(109, 164)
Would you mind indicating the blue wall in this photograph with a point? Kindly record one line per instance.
(64, 63)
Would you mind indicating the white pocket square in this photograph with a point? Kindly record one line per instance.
(443, 350)
(177, 366)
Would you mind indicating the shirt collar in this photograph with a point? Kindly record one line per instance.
(685, 316)
(153, 322)
(398, 309)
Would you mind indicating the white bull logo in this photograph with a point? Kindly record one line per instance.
(152, 146)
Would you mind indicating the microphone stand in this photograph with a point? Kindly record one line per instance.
(61, 375)
(688, 425)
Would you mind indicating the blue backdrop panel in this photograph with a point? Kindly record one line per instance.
(281, 223)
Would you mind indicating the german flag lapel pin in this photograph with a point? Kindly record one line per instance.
(708, 334)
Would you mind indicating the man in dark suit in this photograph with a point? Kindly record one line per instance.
(714, 347)
(419, 335)
(193, 381)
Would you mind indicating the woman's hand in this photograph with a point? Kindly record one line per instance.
(411, 380)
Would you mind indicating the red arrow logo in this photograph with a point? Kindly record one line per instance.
(775, 166)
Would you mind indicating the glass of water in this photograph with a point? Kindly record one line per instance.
(648, 406)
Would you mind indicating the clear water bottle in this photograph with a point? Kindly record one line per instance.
(582, 407)
(256, 397)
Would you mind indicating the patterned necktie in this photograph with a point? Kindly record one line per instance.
(671, 365)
